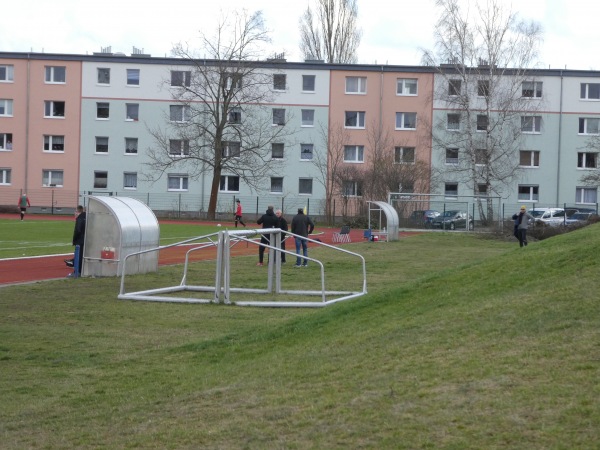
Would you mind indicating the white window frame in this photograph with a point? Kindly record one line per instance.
(483, 88)
(587, 160)
(132, 112)
(49, 174)
(278, 117)
(360, 87)
(276, 185)
(351, 188)
(450, 160)
(101, 106)
(305, 186)
(181, 78)
(131, 146)
(583, 193)
(480, 157)
(52, 141)
(532, 194)
(181, 145)
(278, 78)
(181, 180)
(401, 153)
(308, 117)
(280, 146)
(50, 107)
(585, 125)
(358, 117)
(103, 76)
(354, 154)
(54, 72)
(533, 157)
(536, 124)
(6, 142)
(6, 107)
(304, 83)
(404, 86)
(231, 149)
(448, 122)
(403, 121)
(452, 85)
(179, 113)
(234, 115)
(8, 73)
(307, 152)
(131, 176)
(100, 142)
(98, 178)
(450, 194)
(483, 123)
(133, 77)
(584, 93)
(5, 176)
(228, 182)
(535, 87)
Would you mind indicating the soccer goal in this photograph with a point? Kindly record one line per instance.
(224, 287)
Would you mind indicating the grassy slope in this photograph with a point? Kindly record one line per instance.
(502, 351)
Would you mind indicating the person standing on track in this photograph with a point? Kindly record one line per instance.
(238, 213)
(23, 204)
(79, 235)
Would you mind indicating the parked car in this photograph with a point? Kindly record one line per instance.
(452, 220)
(548, 216)
(570, 210)
(423, 218)
(580, 218)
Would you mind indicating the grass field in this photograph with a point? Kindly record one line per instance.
(461, 343)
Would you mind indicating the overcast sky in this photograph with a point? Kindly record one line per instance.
(394, 31)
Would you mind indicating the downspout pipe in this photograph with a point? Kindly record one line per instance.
(560, 120)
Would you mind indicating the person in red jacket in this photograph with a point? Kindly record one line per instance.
(238, 213)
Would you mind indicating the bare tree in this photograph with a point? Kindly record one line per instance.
(330, 32)
(483, 82)
(222, 119)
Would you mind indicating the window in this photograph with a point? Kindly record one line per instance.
(232, 80)
(234, 115)
(5, 176)
(276, 185)
(406, 121)
(352, 188)
(451, 189)
(54, 143)
(586, 195)
(452, 156)
(454, 87)
(130, 180)
(179, 148)
(278, 116)
(231, 149)
(132, 111)
(6, 107)
(407, 187)
(306, 152)
(229, 183)
(453, 122)
(404, 155)
(406, 86)
(531, 124)
(590, 91)
(279, 81)
(277, 150)
(101, 144)
(133, 77)
(52, 178)
(529, 158)
(100, 179)
(52, 108)
(531, 89)
(356, 85)
(483, 88)
(6, 140)
(354, 153)
(308, 83)
(102, 110)
(355, 119)
(482, 122)
(181, 78)
(481, 190)
(305, 186)
(481, 156)
(131, 146)
(587, 160)
(103, 75)
(308, 117)
(177, 183)
(56, 74)
(528, 193)
(589, 126)
(179, 113)
(6, 73)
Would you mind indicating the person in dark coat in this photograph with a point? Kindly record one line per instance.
(79, 234)
(267, 220)
(302, 225)
(282, 225)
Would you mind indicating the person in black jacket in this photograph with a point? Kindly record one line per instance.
(302, 226)
(282, 225)
(267, 220)
(79, 234)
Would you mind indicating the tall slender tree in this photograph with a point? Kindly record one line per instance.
(330, 31)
